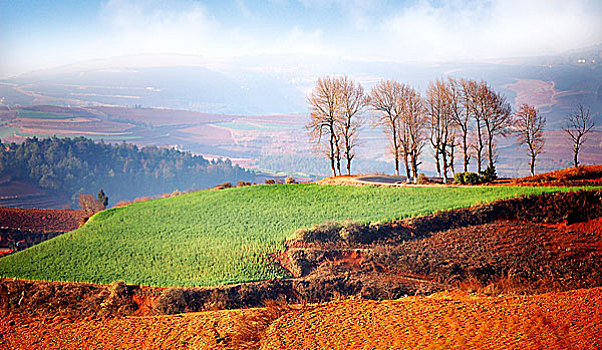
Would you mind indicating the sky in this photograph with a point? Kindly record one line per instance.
(40, 34)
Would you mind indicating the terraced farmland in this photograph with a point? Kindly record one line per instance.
(227, 236)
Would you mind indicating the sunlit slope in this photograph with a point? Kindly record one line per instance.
(226, 236)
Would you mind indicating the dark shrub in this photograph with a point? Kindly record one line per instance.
(489, 175)
(224, 185)
(471, 178)
(459, 179)
(467, 178)
(270, 182)
(119, 301)
(355, 232)
(171, 301)
(325, 232)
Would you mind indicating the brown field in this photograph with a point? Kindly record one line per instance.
(446, 320)
(17, 193)
(158, 116)
(40, 220)
(443, 320)
(537, 93)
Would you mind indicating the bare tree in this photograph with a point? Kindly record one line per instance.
(492, 115)
(438, 109)
(529, 127)
(89, 204)
(477, 108)
(324, 113)
(352, 103)
(578, 125)
(451, 151)
(386, 99)
(461, 112)
(415, 125)
(496, 120)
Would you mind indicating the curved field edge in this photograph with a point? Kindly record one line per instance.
(223, 237)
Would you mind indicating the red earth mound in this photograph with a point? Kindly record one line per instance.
(580, 176)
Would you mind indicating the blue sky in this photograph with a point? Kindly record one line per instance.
(44, 34)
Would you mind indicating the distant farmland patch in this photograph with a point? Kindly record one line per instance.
(221, 237)
(42, 115)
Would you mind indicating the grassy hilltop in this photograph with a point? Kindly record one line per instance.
(226, 236)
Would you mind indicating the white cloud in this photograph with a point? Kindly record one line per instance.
(417, 30)
(499, 28)
(150, 26)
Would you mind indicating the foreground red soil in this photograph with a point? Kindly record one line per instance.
(444, 320)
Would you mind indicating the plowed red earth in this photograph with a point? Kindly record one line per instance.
(444, 320)
(447, 320)
(40, 220)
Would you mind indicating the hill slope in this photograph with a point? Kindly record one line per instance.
(220, 237)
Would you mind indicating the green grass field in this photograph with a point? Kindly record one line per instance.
(220, 237)
(43, 115)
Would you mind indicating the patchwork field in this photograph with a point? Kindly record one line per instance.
(227, 236)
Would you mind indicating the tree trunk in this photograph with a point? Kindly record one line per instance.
(532, 164)
(451, 160)
(437, 162)
(479, 147)
(445, 165)
(465, 149)
(414, 167)
(490, 151)
(334, 173)
(396, 161)
(406, 162)
(348, 166)
(577, 143)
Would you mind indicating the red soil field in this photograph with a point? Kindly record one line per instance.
(446, 320)
(443, 320)
(40, 220)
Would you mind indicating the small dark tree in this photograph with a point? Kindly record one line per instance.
(102, 198)
(578, 125)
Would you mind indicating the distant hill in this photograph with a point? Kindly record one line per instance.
(70, 166)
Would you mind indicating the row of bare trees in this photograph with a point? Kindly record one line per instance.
(454, 114)
(336, 106)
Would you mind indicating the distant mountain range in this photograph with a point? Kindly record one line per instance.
(279, 84)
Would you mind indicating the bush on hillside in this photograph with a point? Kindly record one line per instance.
(422, 179)
(290, 180)
(489, 174)
(224, 185)
(467, 178)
